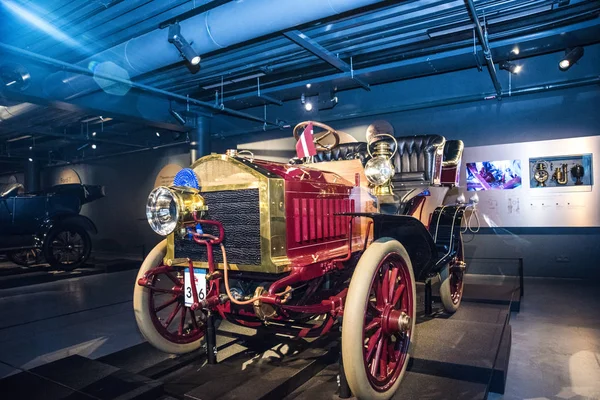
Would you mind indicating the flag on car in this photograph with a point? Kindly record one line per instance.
(305, 146)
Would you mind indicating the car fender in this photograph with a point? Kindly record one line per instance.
(74, 219)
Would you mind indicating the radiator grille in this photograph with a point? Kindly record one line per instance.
(239, 212)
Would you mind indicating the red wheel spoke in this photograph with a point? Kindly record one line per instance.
(393, 283)
(375, 323)
(373, 340)
(182, 321)
(174, 279)
(398, 294)
(168, 291)
(377, 357)
(193, 316)
(173, 314)
(385, 285)
(167, 304)
(383, 361)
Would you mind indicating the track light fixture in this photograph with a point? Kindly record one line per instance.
(307, 104)
(182, 45)
(511, 67)
(570, 58)
(177, 116)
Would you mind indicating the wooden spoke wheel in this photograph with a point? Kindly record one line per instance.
(319, 138)
(379, 320)
(160, 310)
(452, 280)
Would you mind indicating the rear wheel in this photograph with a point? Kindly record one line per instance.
(379, 320)
(67, 247)
(452, 281)
(25, 258)
(160, 310)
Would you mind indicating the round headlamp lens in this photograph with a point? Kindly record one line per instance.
(379, 170)
(162, 211)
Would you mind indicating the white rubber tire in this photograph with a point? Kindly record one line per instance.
(354, 316)
(141, 298)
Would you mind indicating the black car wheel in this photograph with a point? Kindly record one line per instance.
(67, 247)
(25, 257)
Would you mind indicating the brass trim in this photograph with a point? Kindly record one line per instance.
(273, 245)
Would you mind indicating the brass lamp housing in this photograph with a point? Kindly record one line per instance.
(189, 201)
(382, 153)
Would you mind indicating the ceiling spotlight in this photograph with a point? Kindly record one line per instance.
(307, 104)
(30, 147)
(511, 67)
(94, 146)
(30, 159)
(515, 51)
(93, 133)
(182, 45)
(308, 85)
(177, 116)
(570, 58)
(157, 134)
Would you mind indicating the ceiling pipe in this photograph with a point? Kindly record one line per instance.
(487, 53)
(206, 32)
(7, 113)
(121, 153)
(150, 89)
(594, 80)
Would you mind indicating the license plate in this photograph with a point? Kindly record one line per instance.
(200, 278)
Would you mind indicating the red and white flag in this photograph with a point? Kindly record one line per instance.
(305, 146)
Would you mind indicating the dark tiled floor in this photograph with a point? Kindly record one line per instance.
(555, 349)
(556, 342)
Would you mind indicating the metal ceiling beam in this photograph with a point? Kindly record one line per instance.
(163, 93)
(78, 138)
(315, 48)
(525, 42)
(487, 53)
(562, 85)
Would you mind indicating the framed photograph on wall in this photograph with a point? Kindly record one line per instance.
(561, 171)
(493, 175)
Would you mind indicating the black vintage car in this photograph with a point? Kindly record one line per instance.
(47, 223)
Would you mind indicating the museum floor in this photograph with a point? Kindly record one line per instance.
(555, 348)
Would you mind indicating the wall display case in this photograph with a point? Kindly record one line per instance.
(493, 175)
(561, 171)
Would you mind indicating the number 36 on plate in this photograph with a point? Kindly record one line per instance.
(200, 278)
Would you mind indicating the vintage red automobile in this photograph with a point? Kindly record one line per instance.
(297, 247)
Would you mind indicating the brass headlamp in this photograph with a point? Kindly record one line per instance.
(379, 170)
(170, 207)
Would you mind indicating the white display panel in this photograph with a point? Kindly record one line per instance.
(535, 207)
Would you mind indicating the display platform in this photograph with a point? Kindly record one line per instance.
(13, 275)
(460, 356)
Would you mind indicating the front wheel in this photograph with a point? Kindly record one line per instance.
(379, 320)
(160, 311)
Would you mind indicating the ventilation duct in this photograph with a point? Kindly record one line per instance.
(227, 25)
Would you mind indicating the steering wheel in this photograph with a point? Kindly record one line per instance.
(319, 136)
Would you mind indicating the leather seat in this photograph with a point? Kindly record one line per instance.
(344, 151)
(453, 150)
(418, 160)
